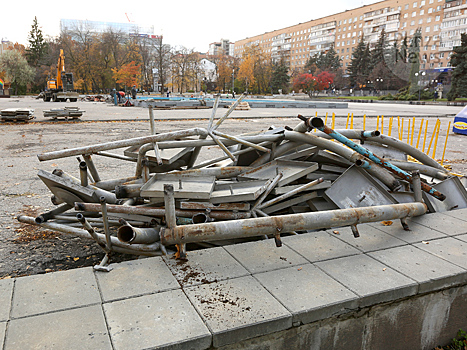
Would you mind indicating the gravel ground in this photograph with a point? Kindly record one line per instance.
(25, 249)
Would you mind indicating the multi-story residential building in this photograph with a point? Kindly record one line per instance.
(224, 47)
(440, 21)
(131, 29)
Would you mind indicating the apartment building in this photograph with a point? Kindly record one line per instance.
(224, 47)
(441, 22)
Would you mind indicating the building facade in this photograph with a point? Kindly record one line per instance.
(224, 47)
(441, 23)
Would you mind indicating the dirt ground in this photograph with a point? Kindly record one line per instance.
(26, 250)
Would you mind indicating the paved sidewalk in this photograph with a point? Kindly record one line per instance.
(227, 294)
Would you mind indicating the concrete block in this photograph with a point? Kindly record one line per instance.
(163, 320)
(82, 328)
(6, 291)
(134, 278)
(462, 238)
(2, 333)
(373, 281)
(417, 232)
(450, 249)
(262, 256)
(308, 293)
(238, 309)
(317, 246)
(430, 272)
(441, 222)
(54, 291)
(370, 238)
(205, 266)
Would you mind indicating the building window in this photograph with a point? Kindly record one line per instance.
(420, 21)
(414, 4)
(422, 3)
(412, 31)
(414, 13)
(430, 10)
(406, 15)
(437, 18)
(427, 29)
(433, 47)
(428, 20)
(412, 23)
(436, 28)
(441, 55)
(422, 12)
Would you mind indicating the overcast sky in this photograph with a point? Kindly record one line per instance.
(193, 24)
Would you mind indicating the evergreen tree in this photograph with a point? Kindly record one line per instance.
(414, 61)
(280, 79)
(328, 61)
(359, 68)
(333, 62)
(459, 74)
(37, 45)
(403, 49)
(380, 52)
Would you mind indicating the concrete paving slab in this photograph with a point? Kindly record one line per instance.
(308, 293)
(54, 291)
(238, 309)
(417, 232)
(430, 272)
(462, 237)
(134, 278)
(262, 256)
(370, 238)
(205, 266)
(164, 320)
(460, 214)
(317, 246)
(373, 281)
(2, 333)
(6, 291)
(82, 328)
(440, 222)
(450, 249)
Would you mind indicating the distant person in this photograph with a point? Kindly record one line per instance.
(133, 92)
(168, 93)
(436, 96)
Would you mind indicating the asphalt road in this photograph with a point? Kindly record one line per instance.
(27, 251)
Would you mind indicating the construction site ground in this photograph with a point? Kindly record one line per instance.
(26, 250)
(86, 309)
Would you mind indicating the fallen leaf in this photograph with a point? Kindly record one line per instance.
(384, 269)
(424, 242)
(299, 268)
(387, 223)
(336, 232)
(75, 259)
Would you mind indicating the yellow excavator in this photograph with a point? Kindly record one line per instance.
(60, 89)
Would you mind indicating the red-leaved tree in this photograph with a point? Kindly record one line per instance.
(311, 84)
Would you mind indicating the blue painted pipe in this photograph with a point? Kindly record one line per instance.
(319, 124)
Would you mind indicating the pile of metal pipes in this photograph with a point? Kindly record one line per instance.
(266, 184)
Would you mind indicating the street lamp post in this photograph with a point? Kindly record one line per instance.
(418, 74)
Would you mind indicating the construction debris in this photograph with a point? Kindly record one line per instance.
(66, 113)
(266, 184)
(17, 114)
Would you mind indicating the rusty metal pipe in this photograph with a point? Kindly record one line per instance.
(92, 168)
(286, 223)
(83, 174)
(159, 212)
(120, 144)
(390, 141)
(136, 235)
(319, 124)
(51, 214)
(417, 186)
(290, 193)
(375, 170)
(117, 246)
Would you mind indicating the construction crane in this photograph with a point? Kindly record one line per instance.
(61, 88)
